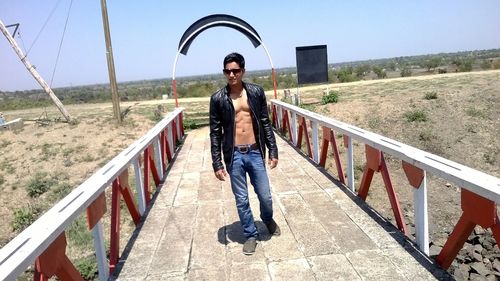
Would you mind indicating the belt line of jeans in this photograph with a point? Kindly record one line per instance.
(246, 147)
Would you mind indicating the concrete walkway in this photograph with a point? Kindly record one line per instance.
(192, 232)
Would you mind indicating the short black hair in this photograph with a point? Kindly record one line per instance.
(234, 57)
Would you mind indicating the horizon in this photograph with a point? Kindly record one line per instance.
(106, 83)
(145, 37)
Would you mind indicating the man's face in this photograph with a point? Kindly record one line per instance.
(233, 73)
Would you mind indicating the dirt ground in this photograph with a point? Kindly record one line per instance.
(462, 124)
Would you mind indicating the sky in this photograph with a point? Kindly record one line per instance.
(145, 35)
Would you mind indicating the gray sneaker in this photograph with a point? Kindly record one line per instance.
(249, 246)
(273, 228)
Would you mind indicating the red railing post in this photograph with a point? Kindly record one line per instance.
(375, 162)
(286, 125)
(53, 261)
(128, 198)
(477, 210)
(152, 166)
(303, 132)
(329, 137)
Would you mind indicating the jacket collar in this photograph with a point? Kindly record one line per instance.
(228, 90)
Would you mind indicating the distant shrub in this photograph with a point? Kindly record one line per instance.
(431, 96)
(23, 217)
(39, 184)
(496, 64)
(474, 112)
(485, 65)
(345, 74)
(417, 115)
(405, 72)
(331, 97)
(379, 71)
(465, 66)
(490, 156)
(60, 191)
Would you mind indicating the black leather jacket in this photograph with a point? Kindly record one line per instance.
(222, 125)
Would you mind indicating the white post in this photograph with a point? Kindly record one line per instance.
(178, 127)
(294, 127)
(315, 141)
(350, 165)
(421, 216)
(170, 135)
(158, 157)
(100, 251)
(279, 116)
(139, 186)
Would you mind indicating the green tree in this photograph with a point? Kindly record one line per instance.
(362, 70)
(345, 74)
(379, 71)
(432, 63)
(405, 71)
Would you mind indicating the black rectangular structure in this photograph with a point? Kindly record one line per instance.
(312, 64)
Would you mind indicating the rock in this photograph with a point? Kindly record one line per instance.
(475, 277)
(491, 277)
(469, 248)
(461, 273)
(475, 240)
(479, 230)
(477, 257)
(434, 250)
(479, 268)
(448, 184)
(496, 265)
(487, 263)
(489, 243)
(478, 248)
(464, 267)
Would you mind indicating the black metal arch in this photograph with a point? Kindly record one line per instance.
(217, 20)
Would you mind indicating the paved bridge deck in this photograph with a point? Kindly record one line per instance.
(192, 231)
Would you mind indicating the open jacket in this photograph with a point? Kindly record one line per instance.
(222, 125)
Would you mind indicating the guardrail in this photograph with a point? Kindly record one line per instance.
(480, 192)
(43, 243)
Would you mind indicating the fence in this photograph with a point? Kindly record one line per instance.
(43, 243)
(480, 192)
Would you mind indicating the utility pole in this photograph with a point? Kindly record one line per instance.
(34, 73)
(111, 65)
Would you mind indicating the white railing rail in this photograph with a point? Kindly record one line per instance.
(21, 252)
(480, 183)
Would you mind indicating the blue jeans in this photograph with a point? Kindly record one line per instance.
(251, 163)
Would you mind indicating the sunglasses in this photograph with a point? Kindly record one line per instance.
(235, 71)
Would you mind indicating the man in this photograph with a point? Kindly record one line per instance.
(240, 127)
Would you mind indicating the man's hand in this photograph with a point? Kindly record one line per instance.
(273, 162)
(221, 174)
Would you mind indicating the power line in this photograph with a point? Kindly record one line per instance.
(43, 27)
(60, 43)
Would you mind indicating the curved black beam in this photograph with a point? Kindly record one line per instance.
(218, 20)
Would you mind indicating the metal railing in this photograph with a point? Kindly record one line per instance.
(476, 186)
(43, 243)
